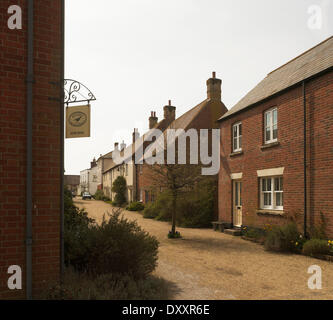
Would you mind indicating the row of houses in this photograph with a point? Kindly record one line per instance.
(276, 147)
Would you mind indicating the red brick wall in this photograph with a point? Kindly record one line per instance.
(288, 154)
(46, 144)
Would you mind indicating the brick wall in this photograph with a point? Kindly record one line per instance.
(288, 154)
(46, 145)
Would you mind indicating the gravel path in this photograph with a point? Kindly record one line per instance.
(210, 265)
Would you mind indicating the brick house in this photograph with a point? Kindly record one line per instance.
(202, 116)
(277, 147)
(27, 82)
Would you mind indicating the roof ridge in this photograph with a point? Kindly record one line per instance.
(302, 54)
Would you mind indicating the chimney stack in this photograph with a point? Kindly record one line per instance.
(214, 88)
(122, 146)
(93, 163)
(116, 144)
(152, 120)
(135, 135)
(169, 112)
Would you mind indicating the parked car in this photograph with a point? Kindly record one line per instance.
(86, 195)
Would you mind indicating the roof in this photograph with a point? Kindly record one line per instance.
(132, 148)
(308, 64)
(72, 180)
(183, 122)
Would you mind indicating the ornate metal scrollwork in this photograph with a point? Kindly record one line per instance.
(74, 91)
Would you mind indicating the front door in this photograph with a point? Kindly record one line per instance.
(237, 205)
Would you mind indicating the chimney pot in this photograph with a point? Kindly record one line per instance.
(214, 74)
(152, 120)
(116, 144)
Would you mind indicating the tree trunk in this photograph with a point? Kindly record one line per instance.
(174, 214)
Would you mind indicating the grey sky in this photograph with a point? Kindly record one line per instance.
(136, 54)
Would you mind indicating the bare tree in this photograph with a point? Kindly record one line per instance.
(176, 178)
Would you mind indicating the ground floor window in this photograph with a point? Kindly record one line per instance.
(271, 193)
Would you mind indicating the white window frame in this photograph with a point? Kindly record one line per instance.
(273, 192)
(238, 137)
(270, 125)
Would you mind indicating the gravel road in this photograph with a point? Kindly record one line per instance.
(210, 265)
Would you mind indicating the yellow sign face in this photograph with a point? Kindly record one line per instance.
(78, 122)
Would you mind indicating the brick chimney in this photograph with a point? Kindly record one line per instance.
(152, 120)
(214, 88)
(135, 135)
(169, 112)
(93, 163)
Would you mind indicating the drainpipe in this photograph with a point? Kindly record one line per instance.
(305, 163)
(62, 141)
(30, 82)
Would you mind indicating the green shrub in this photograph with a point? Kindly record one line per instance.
(119, 187)
(99, 195)
(284, 239)
(253, 233)
(175, 235)
(77, 224)
(116, 246)
(316, 247)
(159, 209)
(195, 207)
(135, 206)
(78, 286)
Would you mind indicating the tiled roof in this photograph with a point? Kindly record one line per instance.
(308, 64)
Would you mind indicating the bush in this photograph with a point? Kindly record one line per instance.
(316, 247)
(135, 206)
(116, 246)
(284, 239)
(159, 209)
(119, 187)
(253, 233)
(99, 195)
(77, 286)
(77, 224)
(175, 235)
(195, 208)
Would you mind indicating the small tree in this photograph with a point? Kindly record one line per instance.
(119, 186)
(177, 179)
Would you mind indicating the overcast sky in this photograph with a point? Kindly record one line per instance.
(135, 55)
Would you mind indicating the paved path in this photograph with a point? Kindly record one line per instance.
(212, 265)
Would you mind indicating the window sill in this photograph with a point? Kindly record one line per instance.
(235, 154)
(269, 212)
(270, 145)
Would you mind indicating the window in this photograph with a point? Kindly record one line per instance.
(271, 194)
(237, 137)
(146, 196)
(141, 195)
(126, 169)
(271, 126)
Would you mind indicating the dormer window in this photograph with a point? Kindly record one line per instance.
(271, 126)
(237, 137)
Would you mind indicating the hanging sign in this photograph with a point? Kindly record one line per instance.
(78, 122)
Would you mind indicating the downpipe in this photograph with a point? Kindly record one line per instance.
(305, 162)
(30, 83)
